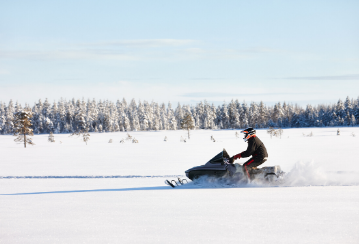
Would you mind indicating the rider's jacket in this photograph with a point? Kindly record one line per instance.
(255, 148)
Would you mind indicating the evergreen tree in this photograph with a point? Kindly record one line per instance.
(22, 124)
(356, 109)
(353, 120)
(340, 109)
(244, 115)
(172, 121)
(9, 118)
(126, 123)
(233, 115)
(253, 115)
(262, 114)
(187, 123)
(164, 118)
(178, 114)
(225, 117)
(277, 115)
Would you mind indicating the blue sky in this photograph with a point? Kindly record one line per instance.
(180, 51)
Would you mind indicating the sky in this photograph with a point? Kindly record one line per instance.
(303, 52)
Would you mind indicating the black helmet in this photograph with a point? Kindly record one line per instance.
(248, 133)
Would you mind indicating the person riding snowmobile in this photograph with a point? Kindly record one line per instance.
(255, 148)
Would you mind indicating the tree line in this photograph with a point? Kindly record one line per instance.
(105, 116)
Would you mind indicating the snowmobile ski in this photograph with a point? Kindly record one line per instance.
(181, 181)
(173, 183)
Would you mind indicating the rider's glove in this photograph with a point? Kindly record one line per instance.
(238, 156)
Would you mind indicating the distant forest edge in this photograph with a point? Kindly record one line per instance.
(105, 116)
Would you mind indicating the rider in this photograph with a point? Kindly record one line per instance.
(255, 148)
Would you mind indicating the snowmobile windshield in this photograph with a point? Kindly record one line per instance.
(219, 157)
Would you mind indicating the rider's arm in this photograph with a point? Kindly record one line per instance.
(250, 149)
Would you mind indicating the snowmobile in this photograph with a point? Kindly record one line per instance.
(220, 167)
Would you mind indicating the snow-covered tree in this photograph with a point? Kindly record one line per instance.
(178, 114)
(233, 115)
(225, 119)
(51, 137)
(106, 116)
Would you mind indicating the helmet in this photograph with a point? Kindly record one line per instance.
(248, 133)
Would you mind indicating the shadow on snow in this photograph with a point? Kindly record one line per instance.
(152, 188)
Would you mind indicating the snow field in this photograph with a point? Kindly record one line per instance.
(318, 202)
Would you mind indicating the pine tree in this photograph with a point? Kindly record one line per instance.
(187, 123)
(348, 110)
(22, 124)
(356, 109)
(172, 122)
(9, 118)
(178, 114)
(277, 114)
(310, 116)
(253, 115)
(348, 106)
(233, 115)
(200, 115)
(142, 116)
(225, 117)
(126, 123)
(262, 114)
(354, 121)
(340, 109)
(164, 118)
(244, 115)
(2, 123)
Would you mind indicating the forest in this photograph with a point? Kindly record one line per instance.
(105, 116)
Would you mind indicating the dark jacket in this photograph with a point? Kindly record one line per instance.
(255, 148)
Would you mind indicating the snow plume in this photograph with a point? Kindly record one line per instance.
(308, 174)
(302, 174)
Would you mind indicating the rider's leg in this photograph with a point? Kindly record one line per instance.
(252, 163)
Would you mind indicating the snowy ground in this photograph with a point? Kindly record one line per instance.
(54, 193)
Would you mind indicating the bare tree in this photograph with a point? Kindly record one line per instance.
(275, 132)
(271, 132)
(22, 124)
(134, 140)
(86, 136)
(187, 123)
(84, 133)
(129, 137)
(279, 133)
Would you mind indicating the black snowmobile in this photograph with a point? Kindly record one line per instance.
(220, 167)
